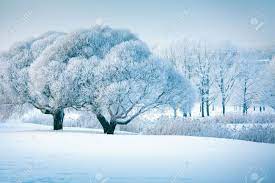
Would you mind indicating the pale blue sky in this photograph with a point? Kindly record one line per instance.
(244, 22)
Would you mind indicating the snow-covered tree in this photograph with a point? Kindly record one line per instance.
(57, 76)
(203, 58)
(108, 71)
(269, 88)
(226, 72)
(15, 65)
(247, 92)
(132, 83)
(180, 54)
(6, 105)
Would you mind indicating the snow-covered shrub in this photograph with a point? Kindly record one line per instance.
(182, 126)
(250, 118)
(220, 127)
(256, 133)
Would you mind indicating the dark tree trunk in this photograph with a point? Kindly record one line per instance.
(184, 114)
(58, 117)
(202, 107)
(245, 106)
(175, 112)
(111, 128)
(244, 109)
(207, 107)
(104, 123)
(223, 106)
(108, 128)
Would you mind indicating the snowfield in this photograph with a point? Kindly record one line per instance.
(35, 154)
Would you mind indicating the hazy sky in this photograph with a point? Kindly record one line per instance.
(244, 22)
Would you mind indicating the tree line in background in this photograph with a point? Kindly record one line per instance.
(113, 74)
(224, 73)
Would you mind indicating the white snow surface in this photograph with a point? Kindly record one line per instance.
(36, 154)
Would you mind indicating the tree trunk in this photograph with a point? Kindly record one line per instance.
(207, 107)
(223, 106)
(202, 107)
(111, 128)
(184, 114)
(244, 109)
(58, 117)
(104, 123)
(108, 128)
(175, 112)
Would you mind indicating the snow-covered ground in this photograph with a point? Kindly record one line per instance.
(35, 154)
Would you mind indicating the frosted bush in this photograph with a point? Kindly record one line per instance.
(251, 118)
(256, 133)
(259, 131)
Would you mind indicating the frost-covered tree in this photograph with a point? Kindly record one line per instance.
(269, 87)
(180, 54)
(132, 83)
(203, 58)
(226, 72)
(188, 98)
(6, 101)
(57, 76)
(182, 94)
(108, 71)
(16, 62)
(266, 86)
(247, 92)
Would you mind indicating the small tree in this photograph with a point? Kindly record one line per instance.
(203, 58)
(180, 54)
(270, 86)
(248, 78)
(226, 73)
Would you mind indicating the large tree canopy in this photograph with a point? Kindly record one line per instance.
(108, 71)
(51, 71)
(47, 72)
(17, 61)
